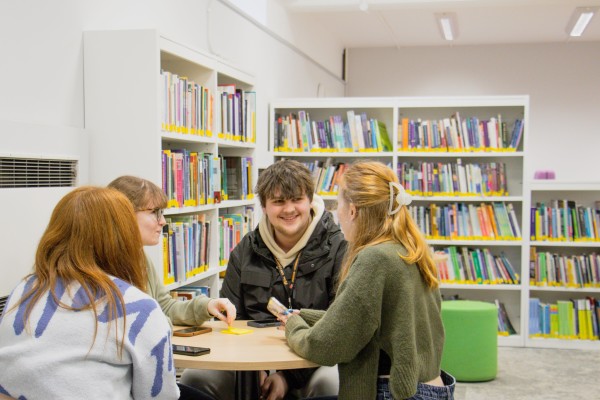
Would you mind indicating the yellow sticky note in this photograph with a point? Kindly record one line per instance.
(236, 331)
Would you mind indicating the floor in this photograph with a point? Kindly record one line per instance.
(536, 374)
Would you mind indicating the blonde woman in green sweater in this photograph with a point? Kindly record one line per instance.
(384, 329)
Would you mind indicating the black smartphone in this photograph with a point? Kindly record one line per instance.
(264, 323)
(192, 331)
(190, 350)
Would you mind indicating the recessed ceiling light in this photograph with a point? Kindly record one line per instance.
(447, 24)
(580, 20)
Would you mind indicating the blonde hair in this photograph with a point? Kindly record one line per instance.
(92, 233)
(366, 185)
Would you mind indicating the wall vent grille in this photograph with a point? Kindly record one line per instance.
(37, 172)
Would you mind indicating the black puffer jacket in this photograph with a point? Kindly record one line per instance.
(252, 278)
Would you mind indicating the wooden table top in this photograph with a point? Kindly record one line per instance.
(263, 349)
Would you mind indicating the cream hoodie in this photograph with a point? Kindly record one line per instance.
(266, 232)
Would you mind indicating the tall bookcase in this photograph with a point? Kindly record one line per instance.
(124, 108)
(551, 233)
(392, 112)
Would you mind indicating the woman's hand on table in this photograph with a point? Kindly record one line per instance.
(222, 309)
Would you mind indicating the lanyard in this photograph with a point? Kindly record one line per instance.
(288, 286)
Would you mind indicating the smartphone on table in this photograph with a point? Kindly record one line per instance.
(264, 323)
(192, 331)
(190, 350)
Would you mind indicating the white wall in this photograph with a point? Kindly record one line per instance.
(561, 79)
(41, 79)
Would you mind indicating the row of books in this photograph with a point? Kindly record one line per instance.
(496, 221)
(552, 269)
(567, 319)
(190, 292)
(474, 266)
(186, 247)
(456, 134)
(232, 228)
(326, 175)
(186, 106)
(505, 326)
(238, 114)
(453, 179)
(357, 133)
(565, 220)
(236, 178)
(192, 179)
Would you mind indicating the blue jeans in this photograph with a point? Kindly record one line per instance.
(424, 392)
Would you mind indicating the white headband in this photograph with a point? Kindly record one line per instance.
(402, 198)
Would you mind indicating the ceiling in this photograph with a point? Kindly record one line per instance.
(400, 23)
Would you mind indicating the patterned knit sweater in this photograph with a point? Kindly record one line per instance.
(383, 305)
(55, 357)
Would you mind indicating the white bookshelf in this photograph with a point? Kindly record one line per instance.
(584, 194)
(391, 111)
(123, 109)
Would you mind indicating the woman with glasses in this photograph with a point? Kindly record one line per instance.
(149, 202)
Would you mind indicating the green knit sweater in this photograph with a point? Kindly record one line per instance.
(383, 304)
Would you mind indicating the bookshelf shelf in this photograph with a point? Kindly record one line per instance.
(180, 138)
(569, 213)
(350, 155)
(236, 145)
(445, 154)
(508, 243)
(235, 203)
(538, 243)
(289, 114)
(564, 289)
(146, 94)
(429, 199)
(481, 286)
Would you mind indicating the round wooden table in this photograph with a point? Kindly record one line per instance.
(263, 349)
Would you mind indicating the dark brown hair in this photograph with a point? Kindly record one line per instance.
(288, 177)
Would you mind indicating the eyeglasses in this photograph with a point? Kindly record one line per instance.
(158, 212)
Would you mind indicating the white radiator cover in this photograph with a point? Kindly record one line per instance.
(26, 211)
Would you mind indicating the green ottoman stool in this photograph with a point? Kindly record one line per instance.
(471, 347)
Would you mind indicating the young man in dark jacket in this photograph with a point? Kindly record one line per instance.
(294, 255)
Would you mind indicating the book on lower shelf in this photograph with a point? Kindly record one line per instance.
(186, 247)
(561, 270)
(453, 134)
(505, 327)
(565, 319)
(565, 220)
(474, 266)
(297, 132)
(424, 178)
(466, 221)
(189, 178)
(232, 228)
(190, 292)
